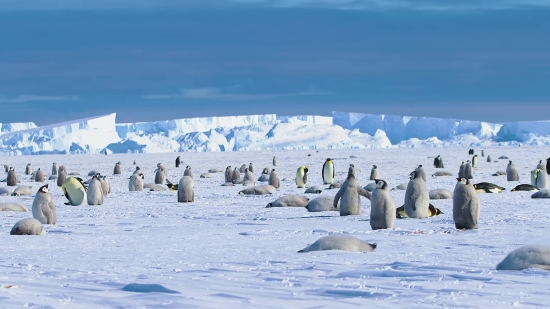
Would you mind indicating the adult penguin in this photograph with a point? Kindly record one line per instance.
(11, 180)
(28, 169)
(54, 168)
(382, 207)
(188, 171)
(74, 190)
(95, 191)
(374, 173)
(178, 162)
(420, 170)
(301, 176)
(541, 165)
(548, 166)
(417, 197)
(274, 161)
(274, 179)
(511, 172)
(118, 169)
(466, 206)
(482, 153)
(39, 175)
(474, 161)
(328, 171)
(43, 207)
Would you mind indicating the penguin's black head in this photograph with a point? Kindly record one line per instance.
(95, 176)
(420, 166)
(412, 175)
(11, 169)
(306, 169)
(351, 165)
(44, 189)
(374, 166)
(381, 184)
(188, 166)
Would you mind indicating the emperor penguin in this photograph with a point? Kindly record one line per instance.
(135, 162)
(74, 190)
(468, 170)
(243, 168)
(348, 197)
(534, 177)
(248, 178)
(274, 179)
(28, 169)
(438, 162)
(160, 175)
(548, 166)
(61, 177)
(136, 182)
(541, 180)
(328, 171)
(541, 165)
(178, 162)
(39, 175)
(382, 207)
(7, 168)
(417, 197)
(185, 190)
(482, 153)
(188, 171)
(301, 176)
(374, 173)
(274, 161)
(339, 242)
(474, 161)
(466, 206)
(511, 172)
(95, 191)
(251, 167)
(28, 226)
(118, 169)
(236, 176)
(54, 168)
(12, 177)
(489, 158)
(43, 207)
(530, 256)
(420, 170)
(137, 170)
(105, 185)
(352, 170)
(228, 175)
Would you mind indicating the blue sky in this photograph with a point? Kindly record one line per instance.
(154, 60)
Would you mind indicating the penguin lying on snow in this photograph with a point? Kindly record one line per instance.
(525, 187)
(339, 242)
(171, 186)
(432, 212)
(485, 187)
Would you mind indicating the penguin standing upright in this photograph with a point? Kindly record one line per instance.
(438, 162)
(243, 168)
(61, 177)
(54, 169)
(374, 173)
(328, 171)
(188, 171)
(185, 190)
(39, 175)
(95, 191)
(474, 161)
(466, 206)
(489, 158)
(348, 196)
(548, 166)
(248, 179)
(136, 182)
(160, 175)
(541, 165)
(274, 161)
(417, 197)
(382, 207)
(236, 176)
(274, 179)
(468, 170)
(301, 176)
(118, 169)
(228, 174)
(541, 179)
(251, 167)
(178, 162)
(511, 172)
(11, 180)
(105, 185)
(420, 170)
(43, 207)
(28, 169)
(482, 153)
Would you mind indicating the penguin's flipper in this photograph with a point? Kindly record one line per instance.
(305, 178)
(168, 182)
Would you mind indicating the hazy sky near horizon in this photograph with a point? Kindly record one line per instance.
(156, 60)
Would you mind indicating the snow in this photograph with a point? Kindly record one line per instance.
(142, 249)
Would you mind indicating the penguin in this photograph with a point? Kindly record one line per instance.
(417, 197)
(248, 178)
(160, 175)
(274, 179)
(22, 191)
(482, 153)
(348, 196)
(548, 166)
(95, 191)
(251, 167)
(382, 207)
(511, 172)
(137, 170)
(541, 180)
(274, 161)
(171, 186)
(374, 173)
(5, 191)
(243, 168)
(543, 193)
(62, 168)
(499, 173)
(485, 187)
(352, 170)
(301, 176)
(289, 201)
(370, 187)
(118, 169)
(43, 207)
(236, 177)
(28, 169)
(54, 168)
(205, 175)
(314, 189)
(489, 158)
(28, 226)
(468, 170)
(322, 203)
(438, 162)
(136, 182)
(339, 242)
(441, 173)
(258, 190)
(135, 162)
(7, 168)
(525, 257)
(105, 185)
(432, 212)
(328, 171)
(61, 177)
(74, 190)
(13, 207)
(178, 162)
(541, 165)
(12, 177)
(228, 175)
(39, 175)
(420, 170)
(525, 187)
(466, 205)
(265, 176)
(440, 194)
(214, 170)
(185, 190)
(188, 172)
(474, 161)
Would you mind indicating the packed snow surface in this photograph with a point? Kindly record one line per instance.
(143, 249)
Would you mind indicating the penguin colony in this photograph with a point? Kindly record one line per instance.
(383, 213)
